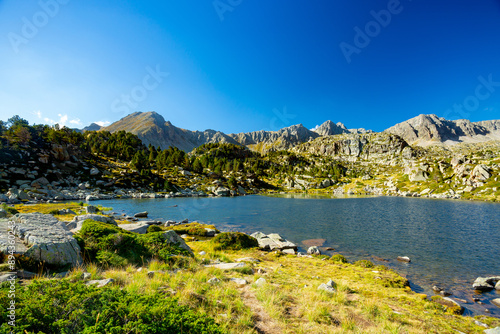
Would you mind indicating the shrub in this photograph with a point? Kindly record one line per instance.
(60, 306)
(339, 258)
(364, 264)
(109, 245)
(234, 240)
(154, 228)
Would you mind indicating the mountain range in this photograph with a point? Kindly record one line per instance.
(423, 130)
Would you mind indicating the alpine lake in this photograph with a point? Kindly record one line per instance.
(449, 242)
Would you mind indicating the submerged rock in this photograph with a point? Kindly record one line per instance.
(485, 283)
(404, 259)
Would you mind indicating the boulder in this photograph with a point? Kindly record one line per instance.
(273, 241)
(480, 173)
(94, 171)
(313, 250)
(450, 303)
(222, 191)
(497, 286)
(417, 174)
(101, 283)
(495, 330)
(91, 209)
(44, 238)
(141, 214)
(404, 259)
(210, 232)
(485, 283)
(140, 228)
(213, 280)
(261, 281)
(173, 238)
(239, 281)
(496, 302)
(327, 288)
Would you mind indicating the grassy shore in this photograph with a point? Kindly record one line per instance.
(368, 299)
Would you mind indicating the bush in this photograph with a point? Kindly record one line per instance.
(58, 306)
(109, 245)
(154, 228)
(234, 240)
(339, 258)
(364, 264)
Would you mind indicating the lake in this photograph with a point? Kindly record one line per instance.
(449, 242)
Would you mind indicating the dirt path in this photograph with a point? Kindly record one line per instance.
(264, 324)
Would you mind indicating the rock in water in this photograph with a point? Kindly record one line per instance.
(483, 284)
(404, 259)
(46, 238)
(314, 250)
(141, 214)
(496, 302)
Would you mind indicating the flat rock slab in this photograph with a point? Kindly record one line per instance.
(495, 330)
(140, 228)
(226, 266)
(273, 241)
(47, 239)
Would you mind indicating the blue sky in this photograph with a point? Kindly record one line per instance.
(240, 65)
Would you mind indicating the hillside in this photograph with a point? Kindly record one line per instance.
(152, 129)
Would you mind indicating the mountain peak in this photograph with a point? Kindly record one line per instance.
(329, 128)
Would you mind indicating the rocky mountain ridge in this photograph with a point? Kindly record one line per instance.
(423, 130)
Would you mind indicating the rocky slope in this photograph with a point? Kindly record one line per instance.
(365, 146)
(264, 141)
(425, 130)
(152, 128)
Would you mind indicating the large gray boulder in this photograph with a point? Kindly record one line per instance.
(43, 238)
(485, 283)
(495, 330)
(139, 227)
(173, 238)
(480, 173)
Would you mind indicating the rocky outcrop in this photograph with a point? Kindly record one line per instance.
(43, 238)
(273, 241)
(76, 224)
(283, 139)
(364, 146)
(429, 129)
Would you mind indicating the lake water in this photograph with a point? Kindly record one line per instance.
(449, 242)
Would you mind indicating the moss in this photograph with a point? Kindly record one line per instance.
(364, 264)
(154, 228)
(234, 240)
(339, 258)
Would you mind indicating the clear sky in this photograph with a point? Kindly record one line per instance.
(241, 65)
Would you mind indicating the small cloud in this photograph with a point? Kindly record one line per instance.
(38, 113)
(75, 121)
(103, 123)
(315, 128)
